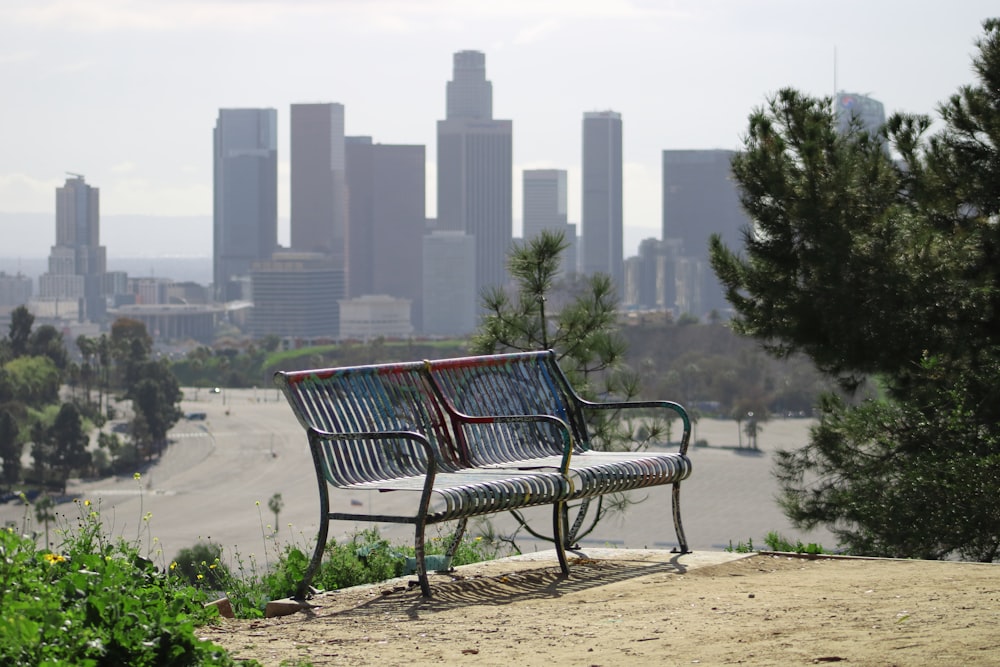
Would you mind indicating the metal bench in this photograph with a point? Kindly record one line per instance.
(477, 391)
(383, 427)
(472, 436)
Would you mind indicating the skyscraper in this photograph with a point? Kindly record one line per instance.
(245, 211)
(449, 276)
(386, 220)
(77, 261)
(318, 181)
(602, 196)
(700, 198)
(475, 169)
(869, 112)
(544, 195)
(544, 208)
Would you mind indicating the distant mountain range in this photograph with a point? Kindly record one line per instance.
(32, 235)
(177, 247)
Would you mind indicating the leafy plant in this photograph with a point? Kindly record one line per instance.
(96, 601)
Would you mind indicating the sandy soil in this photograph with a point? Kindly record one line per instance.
(646, 608)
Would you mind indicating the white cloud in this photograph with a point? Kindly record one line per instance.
(642, 194)
(33, 195)
(126, 167)
(123, 196)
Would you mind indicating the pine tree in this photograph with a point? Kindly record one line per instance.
(885, 270)
(577, 318)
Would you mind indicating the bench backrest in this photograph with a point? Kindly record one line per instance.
(365, 400)
(527, 383)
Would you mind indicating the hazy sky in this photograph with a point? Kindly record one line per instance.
(127, 92)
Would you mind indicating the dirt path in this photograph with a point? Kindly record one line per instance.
(650, 609)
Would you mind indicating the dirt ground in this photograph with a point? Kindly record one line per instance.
(649, 608)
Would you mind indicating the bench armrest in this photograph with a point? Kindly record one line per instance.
(628, 405)
(429, 464)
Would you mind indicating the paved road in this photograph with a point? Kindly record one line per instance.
(208, 484)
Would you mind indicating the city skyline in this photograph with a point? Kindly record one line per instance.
(139, 107)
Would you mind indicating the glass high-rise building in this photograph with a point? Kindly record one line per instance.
(601, 233)
(545, 208)
(318, 180)
(869, 112)
(449, 276)
(701, 198)
(387, 217)
(475, 169)
(544, 201)
(77, 261)
(245, 206)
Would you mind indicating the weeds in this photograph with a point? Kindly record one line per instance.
(365, 558)
(91, 600)
(776, 542)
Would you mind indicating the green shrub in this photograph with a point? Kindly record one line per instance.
(94, 601)
(201, 566)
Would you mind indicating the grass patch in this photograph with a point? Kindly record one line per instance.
(774, 541)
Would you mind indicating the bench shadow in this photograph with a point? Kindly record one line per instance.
(501, 589)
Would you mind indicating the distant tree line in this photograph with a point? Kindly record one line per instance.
(35, 413)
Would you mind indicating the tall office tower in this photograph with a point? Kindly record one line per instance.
(318, 180)
(544, 200)
(449, 283)
(602, 196)
(475, 169)
(869, 112)
(700, 198)
(78, 261)
(245, 197)
(386, 221)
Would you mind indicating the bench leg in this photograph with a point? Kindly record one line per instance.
(558, 528)
(418, 552)
(678, 527)
(455, 541)
(324, 527)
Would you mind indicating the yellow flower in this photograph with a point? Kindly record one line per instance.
(201, 576)
(86, 503)
(54, 558)
(173, 565)
(137, 477)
